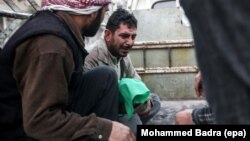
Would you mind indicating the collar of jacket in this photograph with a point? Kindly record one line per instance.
(104, 55)
(71, 24)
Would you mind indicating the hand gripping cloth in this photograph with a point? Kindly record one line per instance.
(132, 92)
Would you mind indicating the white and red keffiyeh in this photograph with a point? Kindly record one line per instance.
(75, 6)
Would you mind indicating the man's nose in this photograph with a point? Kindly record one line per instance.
(129, 41)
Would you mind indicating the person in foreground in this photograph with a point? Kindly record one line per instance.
(201, 115)
(44, 94)
(221, 32)
(113, 51)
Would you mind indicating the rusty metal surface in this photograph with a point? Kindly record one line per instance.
(12, 14)
(167, 67)
(189, 69)
(34, 4)
(20, 9)
(28, 6)
(164, 44)
(12, 5)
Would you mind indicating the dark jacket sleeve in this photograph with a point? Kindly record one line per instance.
(43, 67)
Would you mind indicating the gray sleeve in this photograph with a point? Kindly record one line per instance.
(203, 115)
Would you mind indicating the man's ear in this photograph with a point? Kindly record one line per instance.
(107, 35)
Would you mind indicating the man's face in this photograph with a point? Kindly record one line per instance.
(121, 41)
(92, 29)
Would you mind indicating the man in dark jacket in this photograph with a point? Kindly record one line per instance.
(44, 94)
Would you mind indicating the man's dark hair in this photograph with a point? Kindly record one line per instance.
(121, 16)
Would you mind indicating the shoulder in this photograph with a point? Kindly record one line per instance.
(50, 44)
(93, 55)
(45, 44)
(91, 60)
(97, 51)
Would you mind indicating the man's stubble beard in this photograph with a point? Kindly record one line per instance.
(93, 28)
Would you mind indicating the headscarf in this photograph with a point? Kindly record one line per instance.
(82, 7)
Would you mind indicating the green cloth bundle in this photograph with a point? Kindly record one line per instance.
(132, 92)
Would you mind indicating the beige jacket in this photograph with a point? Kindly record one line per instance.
(100, 55)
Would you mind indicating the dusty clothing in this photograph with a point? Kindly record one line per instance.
(43, 68)
(100, 56)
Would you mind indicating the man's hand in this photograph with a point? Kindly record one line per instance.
(121, 132)
(143, 109)
(198, 85)
(184, 117)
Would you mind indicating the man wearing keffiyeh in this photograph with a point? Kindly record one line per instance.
(44, 94)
